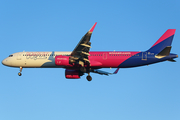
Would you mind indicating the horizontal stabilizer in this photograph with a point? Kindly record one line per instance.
(165, 52)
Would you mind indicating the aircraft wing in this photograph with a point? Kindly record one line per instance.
(105, 73)
(81, 51)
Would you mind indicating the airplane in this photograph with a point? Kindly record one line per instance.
(81, 60)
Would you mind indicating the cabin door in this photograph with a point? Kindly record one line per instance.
(104, 56)
(144, 55)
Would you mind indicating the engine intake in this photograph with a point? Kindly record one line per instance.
(72, 74)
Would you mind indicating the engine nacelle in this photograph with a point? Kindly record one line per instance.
(72, 74)
(62, 60)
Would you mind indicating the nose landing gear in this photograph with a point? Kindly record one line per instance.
(20, 71)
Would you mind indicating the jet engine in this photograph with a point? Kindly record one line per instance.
(72, 74)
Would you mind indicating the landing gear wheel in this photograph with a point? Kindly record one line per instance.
(19, 74)
(89, 78)
(83, 69)
(20, 71)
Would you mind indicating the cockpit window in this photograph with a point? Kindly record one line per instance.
(10, 55)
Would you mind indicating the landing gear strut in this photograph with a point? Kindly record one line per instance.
(83, 69)
(20, 71)
(89, 78)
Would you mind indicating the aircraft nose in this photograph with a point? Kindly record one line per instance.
(5, 62)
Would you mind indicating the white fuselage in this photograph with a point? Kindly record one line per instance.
(33, 59)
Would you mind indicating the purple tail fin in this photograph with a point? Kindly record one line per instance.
(164, 41)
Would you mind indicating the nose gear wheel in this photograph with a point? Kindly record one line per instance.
(20, 71)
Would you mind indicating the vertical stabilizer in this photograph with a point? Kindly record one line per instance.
(164, 41)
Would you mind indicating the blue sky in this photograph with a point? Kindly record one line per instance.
(143, 93)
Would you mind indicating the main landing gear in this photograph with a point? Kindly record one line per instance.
(89, 78)
(20, 71)
(83, 69)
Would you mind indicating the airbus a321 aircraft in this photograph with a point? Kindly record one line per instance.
(81, 60)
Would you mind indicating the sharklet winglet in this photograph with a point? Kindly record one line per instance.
(92, 28)
(115, 72)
